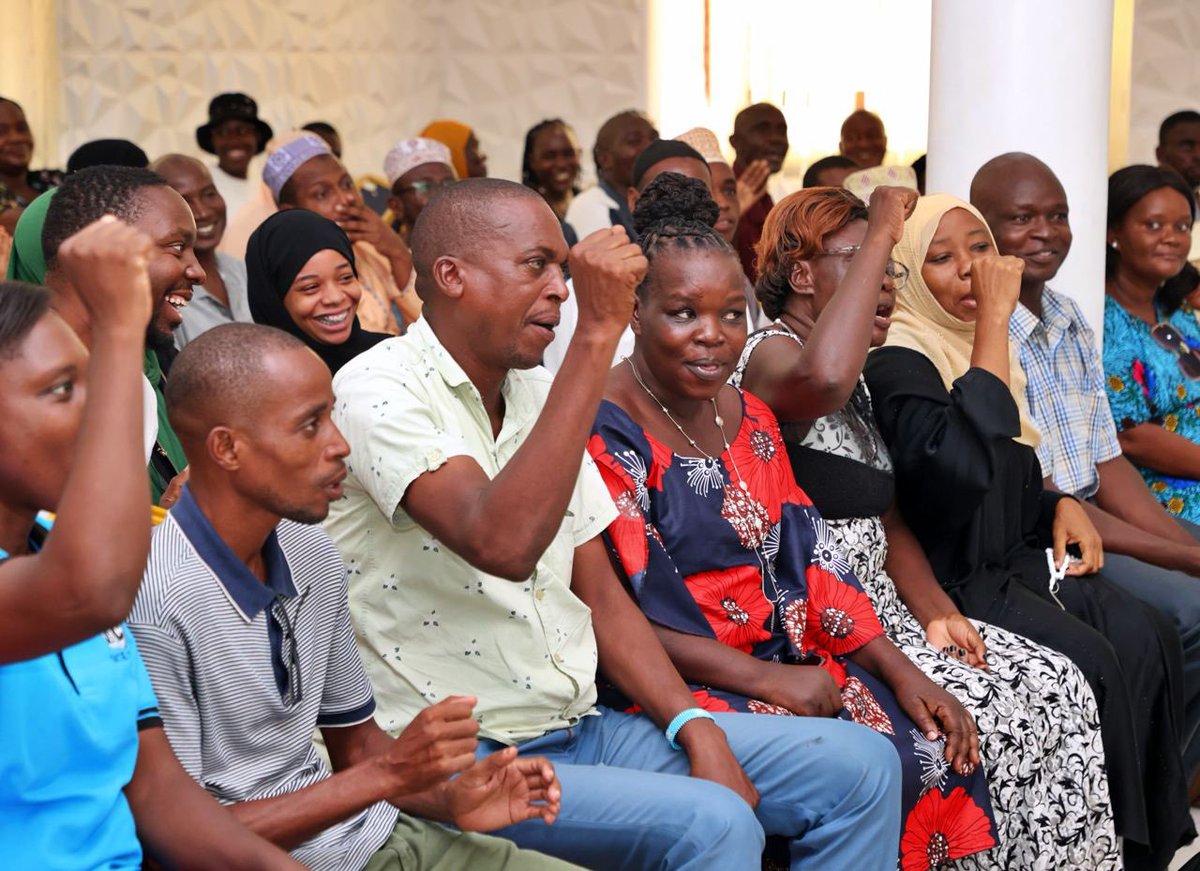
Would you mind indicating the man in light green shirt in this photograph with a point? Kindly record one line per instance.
(471, 531)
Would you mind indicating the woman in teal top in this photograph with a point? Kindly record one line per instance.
(1151, 338)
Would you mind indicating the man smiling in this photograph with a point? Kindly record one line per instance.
(235, 134)
(144, 200)
(1146, 551)
(222, 298)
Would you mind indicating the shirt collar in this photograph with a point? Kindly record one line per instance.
(447, 367)
(1023, 322)
(520, 405)
(246, 593)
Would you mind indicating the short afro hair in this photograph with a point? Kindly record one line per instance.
(90, 194)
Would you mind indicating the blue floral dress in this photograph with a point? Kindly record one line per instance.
(1145, 385)
(731, 548)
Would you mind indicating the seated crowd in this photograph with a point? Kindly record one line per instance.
(682, 522)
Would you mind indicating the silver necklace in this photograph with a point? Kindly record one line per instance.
(720, 422)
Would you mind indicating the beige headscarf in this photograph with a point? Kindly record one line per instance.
(921, 324)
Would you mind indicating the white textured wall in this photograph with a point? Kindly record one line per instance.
(379, 70)
(1165, 69)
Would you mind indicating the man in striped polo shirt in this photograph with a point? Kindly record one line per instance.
(243, 623)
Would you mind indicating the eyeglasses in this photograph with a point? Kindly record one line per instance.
(1186, 357)
(424, 187)
(894, 270)
(287, 651)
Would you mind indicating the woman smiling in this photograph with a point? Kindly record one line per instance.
(302, 279)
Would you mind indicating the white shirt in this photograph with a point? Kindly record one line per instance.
(149, 417)
(235, 191)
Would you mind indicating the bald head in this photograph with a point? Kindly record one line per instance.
(1026, 207)
(863, 139)
(760, 133)
(222, 378)
(991, 183)
(174, 163)
(458, 219)
(618, 143)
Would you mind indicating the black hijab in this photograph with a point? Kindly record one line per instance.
(275, 254)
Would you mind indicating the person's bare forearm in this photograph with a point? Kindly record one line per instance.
(517, 514)
(707, 661)
(182, 826)
(910, 571)
(826, 369)
(289, 820)
(1167, 453)
(1123, 493)
(990, 351)
(1124, 538)
(86, 577)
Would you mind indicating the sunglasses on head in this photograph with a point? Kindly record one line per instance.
(1168, 338)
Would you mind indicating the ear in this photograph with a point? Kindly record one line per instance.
(1110, 238)
(801, 279)
(448, 276)
(1158, 149)
(635, 319)
(631, 198)
(222, 444)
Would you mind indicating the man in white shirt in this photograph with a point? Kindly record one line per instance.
(618, 143)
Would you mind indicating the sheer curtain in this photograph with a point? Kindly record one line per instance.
(809, 57)
(30, 72)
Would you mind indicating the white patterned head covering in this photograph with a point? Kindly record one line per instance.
(705, 141)
(410, 153)
(289, 157)
(863, 183)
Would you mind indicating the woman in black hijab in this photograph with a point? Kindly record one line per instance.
(302, 279)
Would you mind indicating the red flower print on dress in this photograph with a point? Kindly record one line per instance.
(793, 622)
(628, 531)
(628, 534)
(705, 699)
(733, 603)
(759, 459)
(943, 828)
(749, 519)
(864, 708)
(840, 618)
(661, 458)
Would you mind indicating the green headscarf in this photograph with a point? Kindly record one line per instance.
(27, 262)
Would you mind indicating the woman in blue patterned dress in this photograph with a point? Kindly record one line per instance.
(723, 551)
(1151, 338)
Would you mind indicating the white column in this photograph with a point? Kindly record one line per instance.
(1034, 76)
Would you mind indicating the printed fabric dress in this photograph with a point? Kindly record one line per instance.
(1036, 713)
(1146, 385)
(730, 548)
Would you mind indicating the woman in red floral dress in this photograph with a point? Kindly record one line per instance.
(729, 559)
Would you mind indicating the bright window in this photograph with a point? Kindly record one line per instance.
(809, 57)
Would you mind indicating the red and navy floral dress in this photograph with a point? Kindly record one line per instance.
(731, 548)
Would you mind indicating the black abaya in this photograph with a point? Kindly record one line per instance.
(974, 498)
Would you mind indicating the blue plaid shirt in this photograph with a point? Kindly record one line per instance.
(1066, 393)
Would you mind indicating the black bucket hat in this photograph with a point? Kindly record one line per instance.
(232, 107)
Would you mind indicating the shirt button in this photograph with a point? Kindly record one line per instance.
(539, 595)
(558, 657)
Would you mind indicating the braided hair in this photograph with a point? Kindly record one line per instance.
(676, 213)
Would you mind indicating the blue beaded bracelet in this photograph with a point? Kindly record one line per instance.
(683, 717)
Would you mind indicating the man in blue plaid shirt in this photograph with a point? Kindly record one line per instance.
(1146, 551)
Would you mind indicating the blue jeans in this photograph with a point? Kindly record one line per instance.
(1177, 596)
(830, 786)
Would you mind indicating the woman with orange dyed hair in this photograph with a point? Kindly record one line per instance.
(824, 271)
